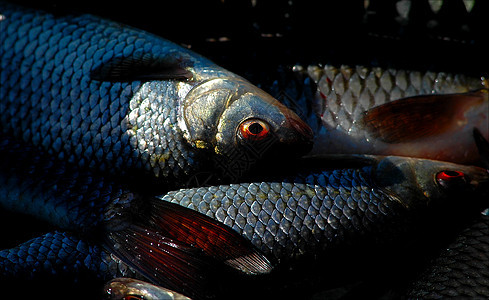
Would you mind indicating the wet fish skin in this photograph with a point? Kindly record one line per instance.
(323, 210)
(122, 101)
(60, 254)
(76, 202)
(460, 270)
(326, 210)
(287, 219)
(103, 220)
(119, 288)
(33, 183)
(345, 93)
(342, 96)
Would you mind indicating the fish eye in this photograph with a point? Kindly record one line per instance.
(451, 178)
(254, 129)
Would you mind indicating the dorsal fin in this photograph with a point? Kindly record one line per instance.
(141, 67)
(418, 117)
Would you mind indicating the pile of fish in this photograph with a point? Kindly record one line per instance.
(169, 177)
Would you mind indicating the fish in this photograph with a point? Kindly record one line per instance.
(372, 110)
(314, 211)
(118, 100)
(460, 269)
(124, 288)
(194, 240)
(93, 220)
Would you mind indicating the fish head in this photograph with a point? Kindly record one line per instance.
(128, 288)
(432, 183)
(237, 121)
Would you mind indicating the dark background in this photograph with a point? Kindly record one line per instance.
(250, 37)
(257, 39)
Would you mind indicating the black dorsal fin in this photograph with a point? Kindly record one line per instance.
(143, 67)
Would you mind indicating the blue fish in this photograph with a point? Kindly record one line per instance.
(119, 100)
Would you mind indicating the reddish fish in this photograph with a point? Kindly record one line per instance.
(396, 112)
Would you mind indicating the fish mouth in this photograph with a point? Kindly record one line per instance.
(295, 134)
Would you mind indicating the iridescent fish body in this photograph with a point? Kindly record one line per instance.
(122, 101)
(311, 212)
(370, 110)
(460, 270)
(178, 240)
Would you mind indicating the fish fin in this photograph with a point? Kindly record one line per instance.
(162, 260)
(483, 147)
(214, 238)
(417, 117)
(141, 67)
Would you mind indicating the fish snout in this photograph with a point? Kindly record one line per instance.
(295, 136)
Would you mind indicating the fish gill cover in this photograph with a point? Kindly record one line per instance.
(256, 39)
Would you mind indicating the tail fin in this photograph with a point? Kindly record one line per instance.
(214, 238)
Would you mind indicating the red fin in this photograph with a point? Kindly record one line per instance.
(163, 261)
(419, 117)
(214, 238)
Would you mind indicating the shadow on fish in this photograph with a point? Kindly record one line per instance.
(225, 234)
(367, 110)
(114, 99)
(321, 219)
(459, 269)
(88, 105)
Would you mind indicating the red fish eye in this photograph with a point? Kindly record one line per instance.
(448, 177)
(254, 129)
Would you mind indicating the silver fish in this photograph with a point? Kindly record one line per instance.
(314, 211)
(460, 271)
(435, 127)
(95, 215)
(370, 110)
(113, 98)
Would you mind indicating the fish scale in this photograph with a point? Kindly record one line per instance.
(460, 270)
(372, 110)
(290, 214)
(63, 73)
(115, 99)
(348, 96)
(284, 218)
(60, 253)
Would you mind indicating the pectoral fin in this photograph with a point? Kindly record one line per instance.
(162, 260)
(141, 67)
(214, 238)
(413, 118)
